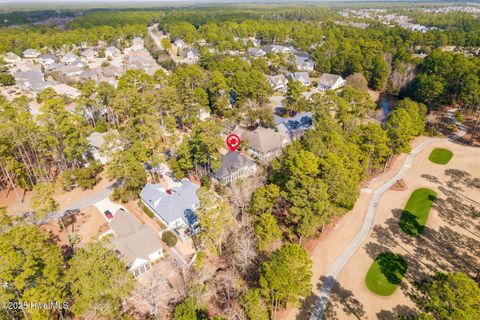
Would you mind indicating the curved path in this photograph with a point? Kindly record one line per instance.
(347, 253)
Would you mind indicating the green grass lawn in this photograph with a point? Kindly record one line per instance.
(415, 215)
(440, 156)
(385, 274)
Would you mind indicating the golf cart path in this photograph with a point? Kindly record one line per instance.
(348, 252)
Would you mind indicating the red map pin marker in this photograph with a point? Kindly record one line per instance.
(233, 142)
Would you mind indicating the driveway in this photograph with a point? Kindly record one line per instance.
(107, 204)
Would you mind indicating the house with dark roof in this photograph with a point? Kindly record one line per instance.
(175, 207)
(235, 166)
(137, 244)
(266, 144)
(330, 82)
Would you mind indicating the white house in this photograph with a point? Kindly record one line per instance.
(31, 54)
(304, 62)
(112, 52)
(278, 82)
(48, 59)
(136, 243)
(301, 77)
(179, 43)
(330, 82)
(69, 58)
(191, 54)
(89, 54)
(66, 90)
(175, 207)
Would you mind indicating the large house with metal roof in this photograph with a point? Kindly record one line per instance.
(175, 207)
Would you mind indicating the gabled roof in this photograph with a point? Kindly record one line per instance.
(262, 139)
(178, 202)
(232, 162)
(31, 52)
(70, 56)
(112, 49)
(87, 53)
(300, 76)
(133, 239)
(291, 125)
(49, 56)
(11, 56)
(278, 79)
(329, 79)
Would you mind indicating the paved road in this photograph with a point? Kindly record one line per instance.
(343, 258)
(153, 32)
(81, 204)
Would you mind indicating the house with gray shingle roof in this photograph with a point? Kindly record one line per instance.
(137, 244)
(69, 58)
(235, 166)
(301, 77)
(256, 52)
(266, 144)
(330, 82)
(175, 207)
(304, 62)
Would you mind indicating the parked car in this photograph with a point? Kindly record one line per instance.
(108, 214)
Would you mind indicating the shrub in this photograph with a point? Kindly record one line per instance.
(169, 238)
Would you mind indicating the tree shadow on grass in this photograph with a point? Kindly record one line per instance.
(392, 266)
(409, 224)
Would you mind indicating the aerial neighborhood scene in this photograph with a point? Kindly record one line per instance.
(240, 160)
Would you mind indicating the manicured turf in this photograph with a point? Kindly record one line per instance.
(415, 215)
(385, 274)
(440, 156)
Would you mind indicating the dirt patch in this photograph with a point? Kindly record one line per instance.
(87, 224)
(400, 185)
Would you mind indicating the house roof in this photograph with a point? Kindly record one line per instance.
(329, 79)
(278, 79)
(70, 56)
(255, 51)
(178, 202)
(300, 76)
(31, 52)
(132, 239)
(301, 121)
(112, 49)
(262, 139)
(96, 139)
(11, 56)
(87, 53)
(232, 162)
(35, 79)
(49, 56)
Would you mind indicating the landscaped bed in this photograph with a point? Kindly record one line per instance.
(415, 215)
(440, 156)
(385, 274)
